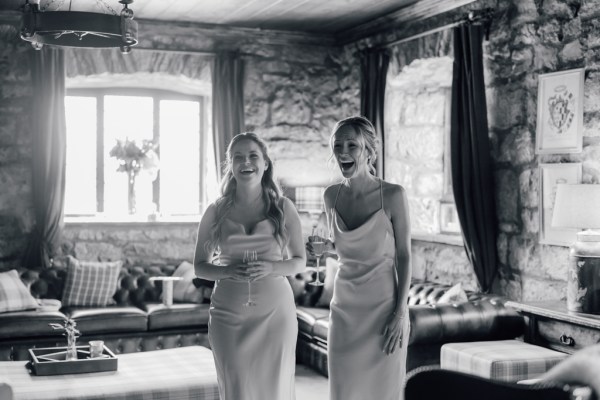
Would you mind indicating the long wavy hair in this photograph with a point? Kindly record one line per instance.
(365, 129)
(271, 194)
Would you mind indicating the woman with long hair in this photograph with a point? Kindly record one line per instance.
(370, 231)
(248, 241)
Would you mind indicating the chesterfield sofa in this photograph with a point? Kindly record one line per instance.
(138, 321)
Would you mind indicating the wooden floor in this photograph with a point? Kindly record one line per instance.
(310, 385)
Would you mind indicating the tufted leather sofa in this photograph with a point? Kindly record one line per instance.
(138, 321)
(482, 317)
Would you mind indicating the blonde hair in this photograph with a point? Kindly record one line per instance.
(365, 129)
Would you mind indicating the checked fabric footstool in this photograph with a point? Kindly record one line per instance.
(504, 360)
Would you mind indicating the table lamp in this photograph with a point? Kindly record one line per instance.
(578, 206)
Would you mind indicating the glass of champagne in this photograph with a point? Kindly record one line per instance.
(317, 240)
(249, 257)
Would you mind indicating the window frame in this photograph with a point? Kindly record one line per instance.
(157, 95)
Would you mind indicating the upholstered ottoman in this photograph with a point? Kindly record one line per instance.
(504, 360)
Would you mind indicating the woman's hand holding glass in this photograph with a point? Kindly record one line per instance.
(318, 245)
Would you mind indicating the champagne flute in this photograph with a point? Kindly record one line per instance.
(317, 241)
(249, 257)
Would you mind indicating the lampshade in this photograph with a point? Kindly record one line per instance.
(79, 29)
(577, 206)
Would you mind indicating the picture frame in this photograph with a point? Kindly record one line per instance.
(449, 222)
(560, 112)
(550, 175)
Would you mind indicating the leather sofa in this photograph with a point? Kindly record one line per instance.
(138, 321)
(481, 317)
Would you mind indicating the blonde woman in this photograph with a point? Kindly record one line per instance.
(369, 222)
(252, 324)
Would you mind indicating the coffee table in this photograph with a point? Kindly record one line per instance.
(179, 373)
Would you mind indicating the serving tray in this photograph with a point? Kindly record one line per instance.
(52, 361)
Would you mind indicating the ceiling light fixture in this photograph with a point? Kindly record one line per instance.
(77, 28)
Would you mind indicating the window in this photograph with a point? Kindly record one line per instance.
(176, 123)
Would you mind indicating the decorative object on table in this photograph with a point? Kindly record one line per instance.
(577, 206)
(133, 160)
(50, 361)
(560, 112)
(72, 333)
(41, 26)
(551, 175)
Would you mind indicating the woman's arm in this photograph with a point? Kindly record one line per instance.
(396, 202)
(203, 266)
(295, 248)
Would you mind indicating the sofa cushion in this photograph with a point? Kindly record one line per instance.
(455, 294)
(111, 319)
(320, 328)
(19, 324)
(177, 315)
(90, 283)
(184, 290)
(307, 316)
(14, 296)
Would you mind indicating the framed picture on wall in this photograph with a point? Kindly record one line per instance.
(560, 112)
(550, 176)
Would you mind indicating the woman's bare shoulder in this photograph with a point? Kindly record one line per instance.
(331, 192)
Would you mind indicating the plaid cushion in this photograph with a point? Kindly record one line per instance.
(90, 283)
(14, 296)
(505, 360)
(184, 290)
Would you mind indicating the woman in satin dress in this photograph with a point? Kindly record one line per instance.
(253, 347)
(370, 233)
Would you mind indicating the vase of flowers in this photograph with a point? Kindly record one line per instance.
(134, 159)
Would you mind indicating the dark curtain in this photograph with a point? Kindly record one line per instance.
(374, 66)
(228, 102)
(472, 178)
(48, 143)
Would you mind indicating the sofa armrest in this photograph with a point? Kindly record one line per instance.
(485, 319)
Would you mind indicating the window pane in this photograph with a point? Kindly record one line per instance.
(80, 187)
(179, 157)
(126, 117)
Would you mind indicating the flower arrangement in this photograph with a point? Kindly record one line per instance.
(133, 158)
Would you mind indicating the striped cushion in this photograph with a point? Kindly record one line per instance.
(505, 360)
(90, 283)
(14, 296)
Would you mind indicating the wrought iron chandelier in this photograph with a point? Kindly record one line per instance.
(77, 28)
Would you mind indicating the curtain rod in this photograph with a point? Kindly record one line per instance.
(485, 16)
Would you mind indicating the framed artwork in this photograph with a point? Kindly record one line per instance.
(560, 112)
(550, 176)
(449, 222)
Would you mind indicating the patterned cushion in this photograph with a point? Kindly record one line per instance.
(455, 294)
(184, 290)
(505, 360)
(90, 283)
(14, 296)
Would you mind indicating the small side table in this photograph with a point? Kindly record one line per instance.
(167, 288)
(550, 324)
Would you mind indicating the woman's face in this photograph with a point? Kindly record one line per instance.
(349, 151)
(248, 163)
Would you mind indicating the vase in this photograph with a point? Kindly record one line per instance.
(131, 202)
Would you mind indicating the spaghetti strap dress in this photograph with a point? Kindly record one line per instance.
(364, 297)
(253, 347)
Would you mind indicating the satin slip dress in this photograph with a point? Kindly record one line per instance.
(364, 297)
(253, 347)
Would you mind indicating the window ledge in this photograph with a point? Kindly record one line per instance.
(132, 220)
(453, 240)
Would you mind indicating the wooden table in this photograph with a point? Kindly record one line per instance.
(180, 373)
(550, 324)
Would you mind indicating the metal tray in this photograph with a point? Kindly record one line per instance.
(52, 361)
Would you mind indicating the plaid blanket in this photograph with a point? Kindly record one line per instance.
(180, 373)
